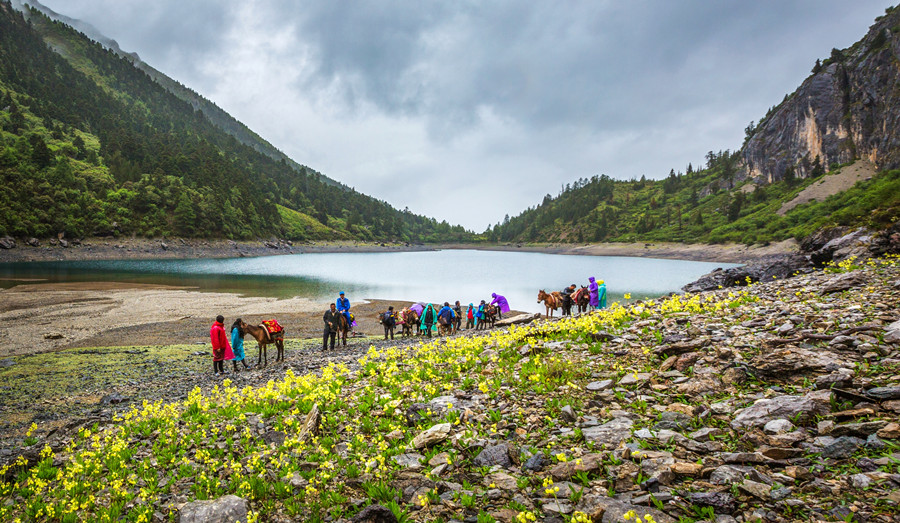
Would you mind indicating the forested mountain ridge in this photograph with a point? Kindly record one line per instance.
(92, 145)
(846, 110)
(211, 111)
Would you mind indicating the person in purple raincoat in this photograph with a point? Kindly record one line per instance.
(501, 303)
(594, 293)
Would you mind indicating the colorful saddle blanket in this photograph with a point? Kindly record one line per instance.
(272, 326)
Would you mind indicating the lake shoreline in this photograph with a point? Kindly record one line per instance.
(180, 248)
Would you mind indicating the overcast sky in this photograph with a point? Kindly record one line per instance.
(470, 110)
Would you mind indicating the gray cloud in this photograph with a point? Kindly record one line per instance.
(475, 100)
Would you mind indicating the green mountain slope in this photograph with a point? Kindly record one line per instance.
(90, 144)
(846, 110)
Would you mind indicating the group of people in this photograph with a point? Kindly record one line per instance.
(596, 291)
(222, 349)
(449, 317)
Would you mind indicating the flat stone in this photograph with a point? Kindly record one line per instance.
(890, 431)
(756, 489)
(432, 436)
(884, 393)
(226, 509)
(600, 385)
(588, 463)
(611, 433)
(779, 426)
(842, 447)
(633, 378)
(410, 460)
(786, 407)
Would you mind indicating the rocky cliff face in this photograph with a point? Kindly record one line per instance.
(848, 109)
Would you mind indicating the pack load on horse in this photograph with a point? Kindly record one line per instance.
(552, 301)
(490, 315)
(268, 332)
(408, 321)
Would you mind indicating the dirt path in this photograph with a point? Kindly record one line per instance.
(832, 184)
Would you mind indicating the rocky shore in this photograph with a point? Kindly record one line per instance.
(775, 402)
(60, 249)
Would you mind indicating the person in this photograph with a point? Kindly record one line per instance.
(501, 303)
(601, 294)
(220, 346)
(330, 318)
(237, 344)
(594, 293)
(567, 300)
(343, 307)
(479, 316)
(470, 316)
(457, 310)
(388, 320)
(428, 320)
(446, 315)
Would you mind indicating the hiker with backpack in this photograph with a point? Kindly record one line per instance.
(446, 316)
(388, 321)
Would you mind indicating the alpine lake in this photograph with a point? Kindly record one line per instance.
(427, 276)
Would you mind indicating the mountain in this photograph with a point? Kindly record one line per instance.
(846, 110)
(790, 177)
(211, 111)
(90, 144)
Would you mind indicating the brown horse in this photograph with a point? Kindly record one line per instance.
(581, 297)
(263, 338)
(410, 322)
(342, 328)
(490, 316)
(551, 301)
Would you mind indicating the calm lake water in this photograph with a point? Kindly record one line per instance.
(436, 276)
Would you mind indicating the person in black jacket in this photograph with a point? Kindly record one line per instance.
(567, 300)
(330, 318)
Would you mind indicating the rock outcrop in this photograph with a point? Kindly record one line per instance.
(847, 109)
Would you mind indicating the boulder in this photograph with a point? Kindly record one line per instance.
(7, 242)
(227, 509)
(432, 436)
(611, 433)
(766, 410)
(493, 455)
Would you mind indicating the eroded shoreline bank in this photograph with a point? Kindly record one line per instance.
(179, 248)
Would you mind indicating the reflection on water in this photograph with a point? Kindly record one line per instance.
(438, 276)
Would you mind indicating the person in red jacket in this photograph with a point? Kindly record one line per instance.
(221, 347)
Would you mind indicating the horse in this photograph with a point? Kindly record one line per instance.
(582, 298)
(343, 327)
(263, 338)
(551, 301)
(409, 322)
(490, 316)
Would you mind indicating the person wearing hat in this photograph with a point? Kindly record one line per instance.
(343, 307)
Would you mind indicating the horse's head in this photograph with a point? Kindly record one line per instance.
(541, 295)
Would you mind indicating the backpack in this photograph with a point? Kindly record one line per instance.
(387, 318)
(429, 316)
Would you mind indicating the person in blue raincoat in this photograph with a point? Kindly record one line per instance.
(446, 314)
(237, 344)
(601, 293)
(343, 306)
